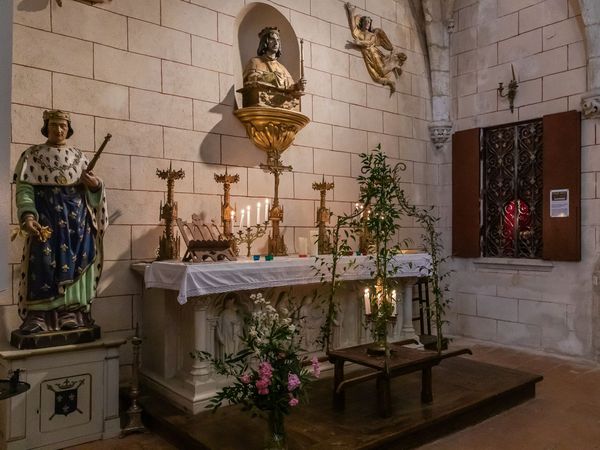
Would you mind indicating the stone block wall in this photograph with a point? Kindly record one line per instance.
(547, 305)
(158, 75)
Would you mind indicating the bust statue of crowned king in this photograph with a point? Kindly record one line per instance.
(266, 81)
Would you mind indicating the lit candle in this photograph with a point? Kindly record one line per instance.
(367, 302)
(242, 218)
(266, 209)
(302, 246)
(258, 213)
(394, 303)
(232, 214)
(248, 214)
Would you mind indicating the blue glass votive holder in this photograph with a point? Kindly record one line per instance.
(255, 257)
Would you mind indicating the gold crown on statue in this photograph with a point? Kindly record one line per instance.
(267, 30)
(56, 114)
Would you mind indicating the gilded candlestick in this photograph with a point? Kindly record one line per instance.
(323, 217)
(227, 211)
(276, 243)
(168, 243)
(365, 240)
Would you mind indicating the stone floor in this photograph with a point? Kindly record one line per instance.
(564, 415)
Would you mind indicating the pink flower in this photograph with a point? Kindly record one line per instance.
(245, 378)
(293, 381)
(315, 366)
(265, 370)
(262, 385)
(293, 401)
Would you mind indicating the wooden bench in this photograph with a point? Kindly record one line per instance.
(402, 360)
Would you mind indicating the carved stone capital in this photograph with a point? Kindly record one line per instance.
(440, 133)
(590, 104)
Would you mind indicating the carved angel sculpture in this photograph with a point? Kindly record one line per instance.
(369, 41)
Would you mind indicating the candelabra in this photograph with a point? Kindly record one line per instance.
(248, 235)
(169, 244)
(276, 243)
(227, 212)
(323, 217)
(134, 413)
(380, 311)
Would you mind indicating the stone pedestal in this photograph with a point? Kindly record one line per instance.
(74, 395)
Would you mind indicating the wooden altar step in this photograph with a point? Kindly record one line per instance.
(465, 392)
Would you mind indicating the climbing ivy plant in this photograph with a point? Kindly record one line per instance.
(383, 205)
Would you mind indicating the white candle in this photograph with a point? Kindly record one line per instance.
(367, 301)
(302, 246)
(258, 213)
(394, 303)
(248, 216)
(242, 218)
(232, 215)
(266, 209)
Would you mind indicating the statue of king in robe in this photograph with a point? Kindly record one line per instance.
(62, 209)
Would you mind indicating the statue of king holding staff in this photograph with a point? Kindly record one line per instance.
(61, 207)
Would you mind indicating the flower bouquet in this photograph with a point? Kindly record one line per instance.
(269, 373)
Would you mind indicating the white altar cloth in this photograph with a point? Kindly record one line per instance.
(196, 279)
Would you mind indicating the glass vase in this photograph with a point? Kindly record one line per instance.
(379, 345)
(379, 330)
(275, 438)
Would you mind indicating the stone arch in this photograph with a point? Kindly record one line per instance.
(438, 20)
(248, 23)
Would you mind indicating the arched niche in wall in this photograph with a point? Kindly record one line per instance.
(249, 22)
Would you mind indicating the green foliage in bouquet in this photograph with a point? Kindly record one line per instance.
(270, 373)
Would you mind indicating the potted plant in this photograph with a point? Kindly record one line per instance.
(377, 220)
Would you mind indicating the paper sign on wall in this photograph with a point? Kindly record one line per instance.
(559, 203)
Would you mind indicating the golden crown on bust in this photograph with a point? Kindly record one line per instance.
(56, 114)
(268, 30)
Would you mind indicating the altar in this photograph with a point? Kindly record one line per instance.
(191, 306)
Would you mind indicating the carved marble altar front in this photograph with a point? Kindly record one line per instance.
(202, 306)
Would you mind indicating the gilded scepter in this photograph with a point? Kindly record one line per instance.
(94, 160)
(302, 58)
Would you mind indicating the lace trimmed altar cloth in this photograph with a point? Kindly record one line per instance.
(196, 279)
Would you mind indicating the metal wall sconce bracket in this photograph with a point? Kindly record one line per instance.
(511, 91)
